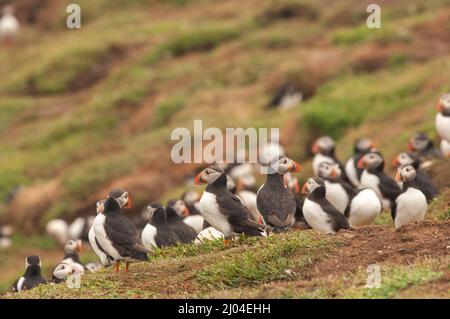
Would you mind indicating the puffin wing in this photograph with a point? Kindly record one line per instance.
(124, 236)
(388, 187)
(337, 218)
(237, 214)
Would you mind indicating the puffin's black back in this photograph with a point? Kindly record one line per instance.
(185, 233)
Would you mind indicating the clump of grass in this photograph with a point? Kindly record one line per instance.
(198, 40)
(166, 110)
(362, 33)
(277, 257)
(288, 9)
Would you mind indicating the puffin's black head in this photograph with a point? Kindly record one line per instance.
(324, 145)
(419, 142)
(328, 170)
(179, 206)
(363, 145)
(282, 165)
(406, 158)
(405, 173)
(443, 104)
(208, 175)
(122, 197)
(154, 212)
(32, 261)
(73, 246)
(312, 184)
(371, 160)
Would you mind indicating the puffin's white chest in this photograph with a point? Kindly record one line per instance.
(442, 124)
(372, 181)
(148, 237)
(103, 258)
(319, 158)
(411, 207)
(350, 171)
(209, 233)
(194, 221)
(103, 240)
(364, 208)
(249, 200)
(316, 217)
(336, 195)
(211, 213)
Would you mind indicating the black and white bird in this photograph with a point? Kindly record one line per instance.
(275, 202)
(338, 192)
(364, 208)
(320, 214)
(175, 209)
(62, 271)
(421, 145)
(442, 120)
(324, 151)
(72, 251)
(193, 221)
(223, 210)
(32, 276)
(5, 236)
(105, 259)
(116, 234)
(192, 200)
(287, 96)
(79, 228)
(362, 146)
(375, 178)
(423, 181)
(157, 232)
(411, 203)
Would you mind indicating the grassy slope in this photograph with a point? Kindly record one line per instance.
(165, 66)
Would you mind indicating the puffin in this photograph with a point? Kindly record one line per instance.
(442, 120)
(421, 145)
(338, 192)
(361, 147)
(32, 276)
(61, 271)
(157, 232)
(423, 181)
(411, 203)
(105, 259)
(192, 200)
(79, 228)
(72, 251)
(287, 96)
(222, 209)
(116, 234)
(175, 210)
(275, 202)
(9, 25)
(291, 183)
(193, 221)
(5, 236)
(375, 178)
(364, 208)
(58, 230)
(324, 151)
(320, 214)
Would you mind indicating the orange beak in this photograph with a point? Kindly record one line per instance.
(315, 148)
(295, 168)
(398, 177)
(186, 212)
(129, 203)
(439, 107)
(361, 163)
(333, 172)
(198, 179)
(305, 189)
(395, 162)
(79, 246)
(239, 185)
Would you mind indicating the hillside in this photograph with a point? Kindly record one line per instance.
(87, 110)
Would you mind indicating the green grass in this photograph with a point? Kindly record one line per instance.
(166, 110)
(281, 257)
